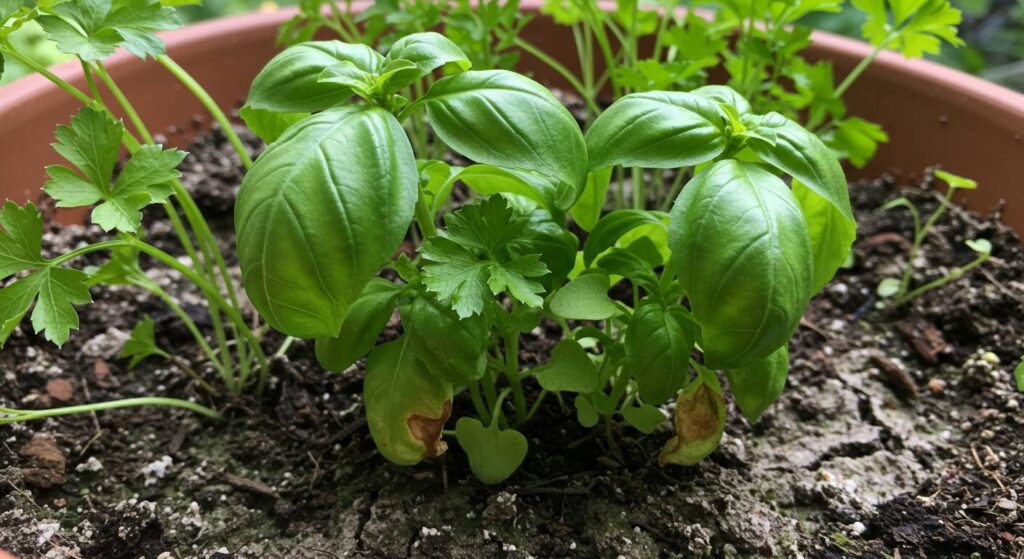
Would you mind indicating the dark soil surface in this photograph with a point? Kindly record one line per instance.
(899, 435)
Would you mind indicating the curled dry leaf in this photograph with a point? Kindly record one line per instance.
(699, 421)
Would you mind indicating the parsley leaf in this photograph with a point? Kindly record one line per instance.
(856, 139)
(472, 259)
(93, 29)
(92, 144)
(914, 27)
(141, 343)
(56, 290)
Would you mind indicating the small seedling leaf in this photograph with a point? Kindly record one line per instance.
(494, 454)
(584, 298)
(570, 370)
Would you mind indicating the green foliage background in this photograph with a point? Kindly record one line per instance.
(993, 30)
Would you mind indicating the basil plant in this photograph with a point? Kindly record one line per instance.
(716, 285)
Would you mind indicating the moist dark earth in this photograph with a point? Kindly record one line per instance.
(900, 434)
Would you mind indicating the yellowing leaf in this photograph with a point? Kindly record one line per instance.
(699, 422)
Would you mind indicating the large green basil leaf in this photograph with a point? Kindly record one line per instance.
(659, 341)
(406, 406)
(269, 125)
(613, 226)
(366, 319)
(320, 212)
(758, 384)
(803, 155)
(544, 190)
(289, 82)
(659, 129)
(502, 118)
(832, 235)
(743, 256)
(453, 349)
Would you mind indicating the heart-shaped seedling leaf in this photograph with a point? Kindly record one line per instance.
(645, 418)
(570, 370)
(981, 246)
(494, 454)
(584, 298)
(888, 287)
(586, 413)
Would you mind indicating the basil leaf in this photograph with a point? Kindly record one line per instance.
(427, 51)
(289, 82)
(832, 235)
(366, 319)
(587, 209)
(502, 118)
(406, 406)
(269, 125)
(724, 94)
(758, 384)
(804, 156)
(488, 180)
(453, 349)
(659, 341)
(659, 129)
(348, 171)
(743, 256)
(613, 226)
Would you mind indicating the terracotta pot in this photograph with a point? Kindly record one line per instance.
(934, 115)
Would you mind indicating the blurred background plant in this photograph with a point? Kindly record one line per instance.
(993, 30)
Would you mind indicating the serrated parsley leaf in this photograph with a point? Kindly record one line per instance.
(471, 260)
(20, 238)
(55, 289)
(914, 27)
(93, 29)
(92, 143)
(141, 343)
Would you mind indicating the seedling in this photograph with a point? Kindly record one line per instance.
(726, 273)
(897, 290)
(91, 145)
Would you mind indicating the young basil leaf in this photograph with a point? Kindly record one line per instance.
(569, 370)
(289, 82)
(55, 290)
(743, 255)
(141, 343)
(726, 95)
(556, 245)
(470, 262)
(427, 52)
(831, 234)
(453, 349)
(505, 119)
(645, 418)
(347, 75)
(437, 179)
(587, 209)
(584, 298)
(630, 263)
(699, 422)
(613, 226)
(758, 384)
(349, 171)
(659, 129)
(8, 8)
(494, 454)
(406, 406)
(92, 143)
(93, 29)
(659, 341)
(269, 125)
(363, 323)
(803, 155)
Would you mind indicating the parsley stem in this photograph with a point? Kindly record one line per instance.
(863, 65)
(16, 416)
(7, 50)
(201, 94)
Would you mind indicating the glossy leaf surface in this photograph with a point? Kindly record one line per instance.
(758, 384)
(658, 346)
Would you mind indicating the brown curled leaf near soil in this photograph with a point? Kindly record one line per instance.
(427, 430)
(699, 422)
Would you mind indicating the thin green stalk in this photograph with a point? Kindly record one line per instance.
(282, 350)
(920, 234)
(16, 416)
(478, 402)
(536, 405)
(639, 195)
(512, 374)
(424, 217)
(863, 65)
(559, 68)
(201, 94)
(955, 274)
(677, 187)
(7, 50)
(91, 82)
